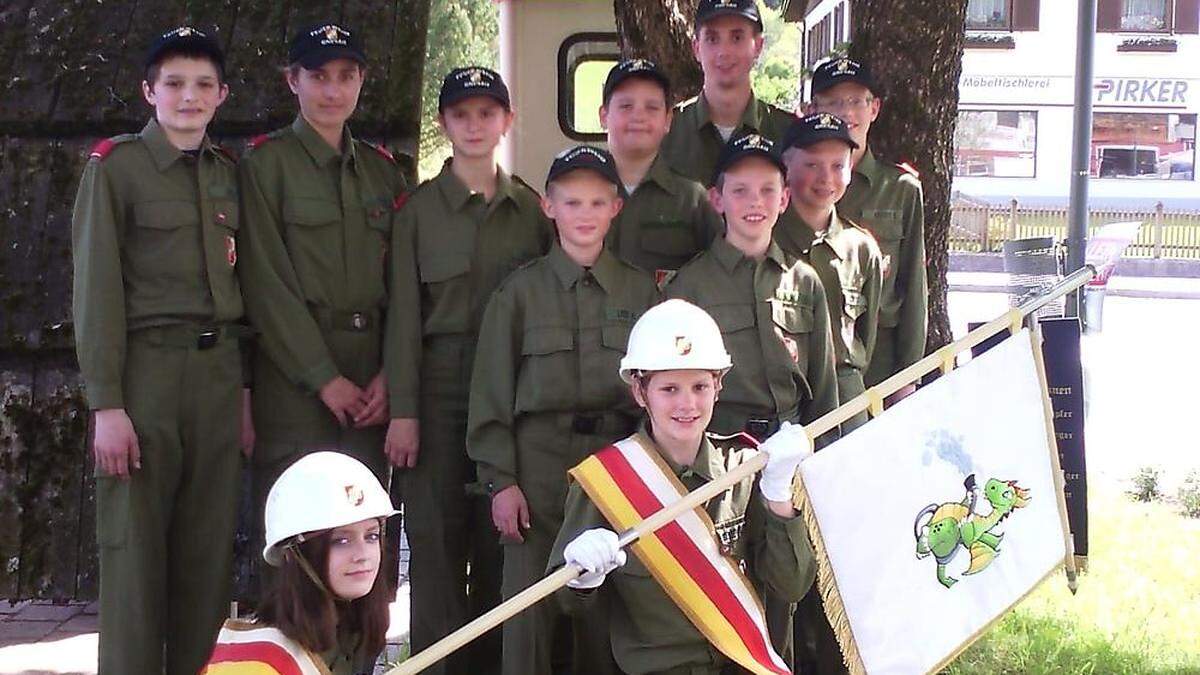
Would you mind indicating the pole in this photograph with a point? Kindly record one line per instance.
(1081, 149)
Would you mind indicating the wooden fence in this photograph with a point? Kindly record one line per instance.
(983, 228)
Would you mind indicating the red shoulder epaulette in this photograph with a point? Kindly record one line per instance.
(257, 141)
(101, 149)
(226, 151)
(399, 201)
(909, 168)
(387, 154)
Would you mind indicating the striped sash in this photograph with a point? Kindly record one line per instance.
(247, 648)
(628, 483)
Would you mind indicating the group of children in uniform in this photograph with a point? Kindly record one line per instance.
(472, 340)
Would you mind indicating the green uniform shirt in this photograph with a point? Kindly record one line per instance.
(693, 144)
(775, 323)
(664, 223)
(887, 201)
(847, 260)
(317, 224)
(154, 242)
(451, 249)
(555, 335)
(649, 632)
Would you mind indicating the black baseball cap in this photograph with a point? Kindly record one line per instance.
(746, 145)
(463, 83)
(320, 43)
(813, 129)
(636, 68)
(833, 72)
(747, 9)
(583, 157)
(186, 39)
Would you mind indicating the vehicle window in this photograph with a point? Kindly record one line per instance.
(584, 60)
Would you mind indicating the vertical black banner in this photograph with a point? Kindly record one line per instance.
(1064, 379)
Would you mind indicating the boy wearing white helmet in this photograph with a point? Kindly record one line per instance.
(674, 367)
(327, 612)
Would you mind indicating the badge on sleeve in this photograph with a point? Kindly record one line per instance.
(231, 250)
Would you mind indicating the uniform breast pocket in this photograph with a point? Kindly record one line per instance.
(732, 318)
(888, 229)
(674, 241)
(855, 303)
(162, 245)
(794, 327)
(442, 268)
(545, 378)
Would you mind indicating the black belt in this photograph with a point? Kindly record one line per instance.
(192, 336)
(354, 321)
(758, 426)
(590, 424)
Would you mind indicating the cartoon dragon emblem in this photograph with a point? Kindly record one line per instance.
(941, 529)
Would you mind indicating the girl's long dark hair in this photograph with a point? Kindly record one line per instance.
(311, 617)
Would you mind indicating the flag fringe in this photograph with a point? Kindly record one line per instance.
(831, 599)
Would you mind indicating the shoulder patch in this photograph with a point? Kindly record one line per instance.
(740, 439)
(399, 201)
(102, 149)
(684, 104)
(909, 169)
(383, 152)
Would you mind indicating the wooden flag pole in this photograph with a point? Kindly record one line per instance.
(552, 582)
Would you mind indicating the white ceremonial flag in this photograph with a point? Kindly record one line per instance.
(938, 516)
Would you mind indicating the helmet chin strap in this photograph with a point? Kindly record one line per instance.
(292, 551)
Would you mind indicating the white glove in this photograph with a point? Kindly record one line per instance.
(785, 450)
(597, 553)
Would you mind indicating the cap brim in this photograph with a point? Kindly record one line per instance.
(742, 156)
(854, 79)
(606, 175)
(319, 57)
(820, 136)
(617, 81)
(462, 95)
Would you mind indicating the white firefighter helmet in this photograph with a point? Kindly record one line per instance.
(321, 491)
(674, 335)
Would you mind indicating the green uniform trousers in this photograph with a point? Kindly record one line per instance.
(817, 650)
(455, 557)
(883, 358)
(291, 422)
(166, 533)
(548, 445)
(850, 385)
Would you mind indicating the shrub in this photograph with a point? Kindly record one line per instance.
(1189, 494)
(1146, 484)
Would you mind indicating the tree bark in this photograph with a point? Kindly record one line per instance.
(661, 31)
(915, 51)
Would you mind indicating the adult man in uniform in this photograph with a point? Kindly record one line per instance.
(886, 199)
(456, 239)
(728, 39)
(317, 208)
(154, 242)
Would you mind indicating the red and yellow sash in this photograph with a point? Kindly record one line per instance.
(246, 648)
(628, 483)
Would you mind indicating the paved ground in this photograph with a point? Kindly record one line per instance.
(1137, 374)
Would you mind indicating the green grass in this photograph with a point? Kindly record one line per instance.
(1137, 610)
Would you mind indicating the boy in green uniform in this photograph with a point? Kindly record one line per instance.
(317, 207)
(156, 305)
(817, 151)
(456, 239)
(886, 199)
(545, 394)
(772, 312)
(770, 306)
(728, 39)
(665, 218)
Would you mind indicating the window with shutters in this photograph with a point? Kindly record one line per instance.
(820, 41)
(1148, 16)
(997, 143)
(1146, 146)
(1003, 15)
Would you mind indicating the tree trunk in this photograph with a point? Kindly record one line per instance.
(915, 50)
(70, 74)
(661, 31)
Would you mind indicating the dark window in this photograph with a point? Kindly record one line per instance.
(1143, 146)
(1000, 143)
(584, 60)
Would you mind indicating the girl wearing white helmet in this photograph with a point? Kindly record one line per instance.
(674, 365)
(328, 610)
